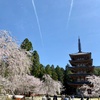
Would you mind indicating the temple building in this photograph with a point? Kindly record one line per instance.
(81, 66)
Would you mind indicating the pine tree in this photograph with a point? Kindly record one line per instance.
(36, 64)
(27, 45)
(54, 74)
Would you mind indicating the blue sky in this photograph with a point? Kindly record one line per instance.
(59, 36)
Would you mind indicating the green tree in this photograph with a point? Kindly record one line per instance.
(60, 73)
(36, 64)
(42, 71)
(27, 45)
(54, 74)
(48, 70)
(97, 71)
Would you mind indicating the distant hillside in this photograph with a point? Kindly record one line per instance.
(97, 66)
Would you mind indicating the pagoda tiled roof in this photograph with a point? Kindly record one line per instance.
(80, 53)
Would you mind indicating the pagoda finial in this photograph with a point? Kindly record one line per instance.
(79, 45)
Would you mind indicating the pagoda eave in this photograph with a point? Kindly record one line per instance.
(78, 84)
(90, 68)
(79, 75)
(79, 61)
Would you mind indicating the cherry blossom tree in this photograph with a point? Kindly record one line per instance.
(95, 86)
(50, 86)
(13, 60)
(27, 83)
(14, 66)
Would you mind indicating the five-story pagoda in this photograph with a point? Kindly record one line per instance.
(81, 66)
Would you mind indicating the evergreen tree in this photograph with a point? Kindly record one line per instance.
(36, 64)
(42, 71)
(48, 70)
(60, 73)
(54, 74)
(97, 71)
(27, 45)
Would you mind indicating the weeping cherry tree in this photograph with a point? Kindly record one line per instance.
(50, 86)
(15, 66)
